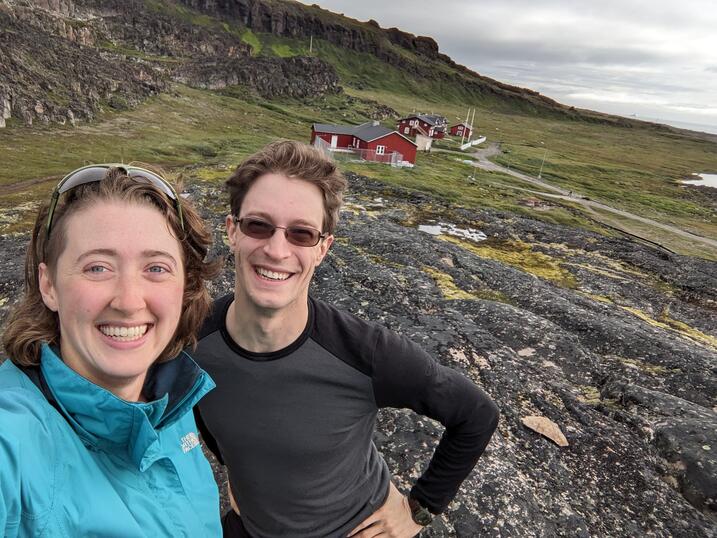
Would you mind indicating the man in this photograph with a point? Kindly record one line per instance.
(299, 382)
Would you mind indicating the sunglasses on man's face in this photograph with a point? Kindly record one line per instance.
(97, 172)
(301, 236)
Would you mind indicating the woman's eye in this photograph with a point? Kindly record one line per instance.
(157, 269)
(96, 269)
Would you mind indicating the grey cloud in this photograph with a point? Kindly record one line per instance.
(659, 50)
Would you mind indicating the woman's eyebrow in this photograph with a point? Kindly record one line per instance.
(114, 254)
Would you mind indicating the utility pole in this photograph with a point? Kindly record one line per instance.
(311, 44)
(463, 132)
(542, 163)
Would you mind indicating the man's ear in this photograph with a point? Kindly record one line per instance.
(47, 289)
(324, 247)
(231, 229)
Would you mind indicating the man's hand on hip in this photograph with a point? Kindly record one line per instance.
(392, 520)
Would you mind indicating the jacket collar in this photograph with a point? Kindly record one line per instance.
(106, 422)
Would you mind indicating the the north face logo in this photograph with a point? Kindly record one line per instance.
(189, 441)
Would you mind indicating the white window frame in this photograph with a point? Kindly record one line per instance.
(380, 150)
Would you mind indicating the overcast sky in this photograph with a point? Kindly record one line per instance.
(656, 59)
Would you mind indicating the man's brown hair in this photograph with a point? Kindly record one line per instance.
(294, 160)
(31, 323)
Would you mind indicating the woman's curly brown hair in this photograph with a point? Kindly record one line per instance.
(31, 323)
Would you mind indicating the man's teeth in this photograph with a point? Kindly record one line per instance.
(124, 334)
(272, 275)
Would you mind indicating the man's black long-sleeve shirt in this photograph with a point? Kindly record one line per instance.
(295, 426)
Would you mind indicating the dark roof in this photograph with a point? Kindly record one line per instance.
(334, 129)
(366, 131)
(433, 119)
(430, 119)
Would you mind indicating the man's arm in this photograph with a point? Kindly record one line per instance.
(404, 376)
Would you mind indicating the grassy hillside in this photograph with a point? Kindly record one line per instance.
(628, 165)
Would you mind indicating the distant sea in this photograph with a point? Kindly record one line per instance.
(703, 127)
(707, 180)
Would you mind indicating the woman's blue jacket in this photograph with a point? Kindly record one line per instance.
(92, 464)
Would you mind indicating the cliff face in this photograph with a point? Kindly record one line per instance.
(294, 20)
(65, 60)
(52, 78)
(298, 77)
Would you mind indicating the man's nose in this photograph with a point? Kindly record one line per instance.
(277, 246)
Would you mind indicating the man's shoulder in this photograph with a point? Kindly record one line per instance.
(216, 319)
(347, 336)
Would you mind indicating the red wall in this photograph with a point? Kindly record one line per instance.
(395, 142)
(466, 131)
(343, 141)
(426, 128)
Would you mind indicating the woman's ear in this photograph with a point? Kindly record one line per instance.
(47, 289)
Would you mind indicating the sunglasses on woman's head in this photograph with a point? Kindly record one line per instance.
(301, 236)
(97, 172)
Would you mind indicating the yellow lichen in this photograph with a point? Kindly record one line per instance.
(588, 394)
(446, 285)
(652, 369)
(674, 325)
(598, 298)
(521, 255)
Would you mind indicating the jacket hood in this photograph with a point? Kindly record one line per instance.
(104, 421)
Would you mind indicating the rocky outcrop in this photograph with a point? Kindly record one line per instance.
(47, 78)
(297, 77)
(66, 60)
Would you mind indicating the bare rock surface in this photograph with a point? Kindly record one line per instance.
(614, 342)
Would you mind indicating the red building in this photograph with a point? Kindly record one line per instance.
(371, 142)
(431, 125)
(461, 129)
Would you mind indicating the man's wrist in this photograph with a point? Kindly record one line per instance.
(420, 514)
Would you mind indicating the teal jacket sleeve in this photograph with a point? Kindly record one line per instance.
(27, 463)
(9, 472)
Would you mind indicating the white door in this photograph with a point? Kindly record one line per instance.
(334, 140)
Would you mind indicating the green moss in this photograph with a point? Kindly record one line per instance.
(283, 51)
(491, 295)
(445, 283)
(210, 174)
(252, 40)
(518, 254)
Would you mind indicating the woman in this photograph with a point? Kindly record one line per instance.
(97, 437)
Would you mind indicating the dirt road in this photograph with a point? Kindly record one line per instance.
(491, 150)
